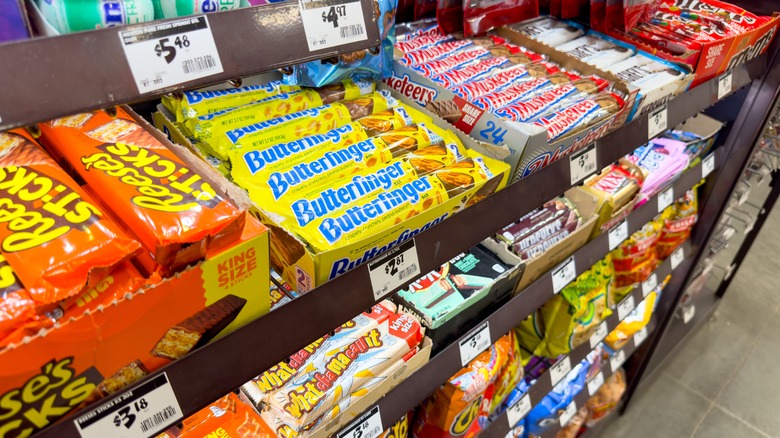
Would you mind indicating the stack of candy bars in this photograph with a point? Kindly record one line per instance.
(508, 80)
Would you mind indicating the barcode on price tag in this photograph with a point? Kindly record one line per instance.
(724, 85)
(564, 274)
(560, 370)
(601, 332)
(394, 268)
(338, 22)
(649, 284)
(569, 413)
(582, 164)
(677, 257)
(617, 360)
(595, 383)
(517, 411)
(138, 413)
(656, 122)
(167, 54)
(640, 336)
(368, 425)
(665, 199)
(625, 307)
(475, 343)
(707, 165)
(618, 234)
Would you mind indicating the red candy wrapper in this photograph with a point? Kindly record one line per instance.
(481, 16)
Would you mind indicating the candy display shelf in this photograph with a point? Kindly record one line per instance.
(62, 75)
(220, 367)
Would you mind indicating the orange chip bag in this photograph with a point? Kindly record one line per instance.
(226, 417)
(52, 234)
(175, 213)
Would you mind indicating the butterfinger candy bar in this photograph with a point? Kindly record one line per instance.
(199, 329)
(354, 367)
(302, 124)
(199, 103)
(174, 212)
(580, 115)
(314, 355)
(65, 243)
(530, 108)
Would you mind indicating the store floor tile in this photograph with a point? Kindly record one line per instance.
(723, 382)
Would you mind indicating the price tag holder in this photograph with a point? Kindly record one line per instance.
(625, 307)
(368, 425)
(617, 360)
(689, 314)
(167, 54)
(518, 411)
(332, 25)
(665, 198)
(563, 274)
(656, 122)
(473, 344)
(707, 165)
(569, 413)
(582, 164)
(677, 257)
(618, 234)
(138, 413)
(394, 268)
(601, 332)
(560, 370)
(649, 284)
(640, 337)
(724, 85)
(595, 383)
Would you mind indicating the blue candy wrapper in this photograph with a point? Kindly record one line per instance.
(546, 413)
(355, 65)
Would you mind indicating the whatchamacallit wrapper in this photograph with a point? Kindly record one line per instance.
(348, 374)
(175, 213)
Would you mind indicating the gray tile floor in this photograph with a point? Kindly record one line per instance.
(724, 383)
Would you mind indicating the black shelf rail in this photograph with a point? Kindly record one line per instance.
(222, 366)
(67, 74)
(501, 425)
(448, 361)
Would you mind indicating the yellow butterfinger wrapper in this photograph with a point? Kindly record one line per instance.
(386, 209)
(291, 180)
(201, 102)
(302, 124)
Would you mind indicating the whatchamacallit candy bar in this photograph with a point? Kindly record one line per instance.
(358, 366)
(315, 355)
(198, 103)
(54, 238)
(205, 127)
(302, 124)
(372, 214)
(173, 211)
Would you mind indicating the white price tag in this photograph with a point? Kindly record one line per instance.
(332, 25)
(617, 360)
(368, 425)
(707, 165)
(625, 307)
(649, 284)
(138, 413)
(475, 343)
(677, 257)
(640, 337)
(656, 122)
(517, 411)
(595, 383)
(601, 332)
(688, 314)
(582, 164)
(665, 199)
(724, 85)
(569, 413)
(167, 54)
(394, 268)
(618, 234)
(560, 370)
(563, 274)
